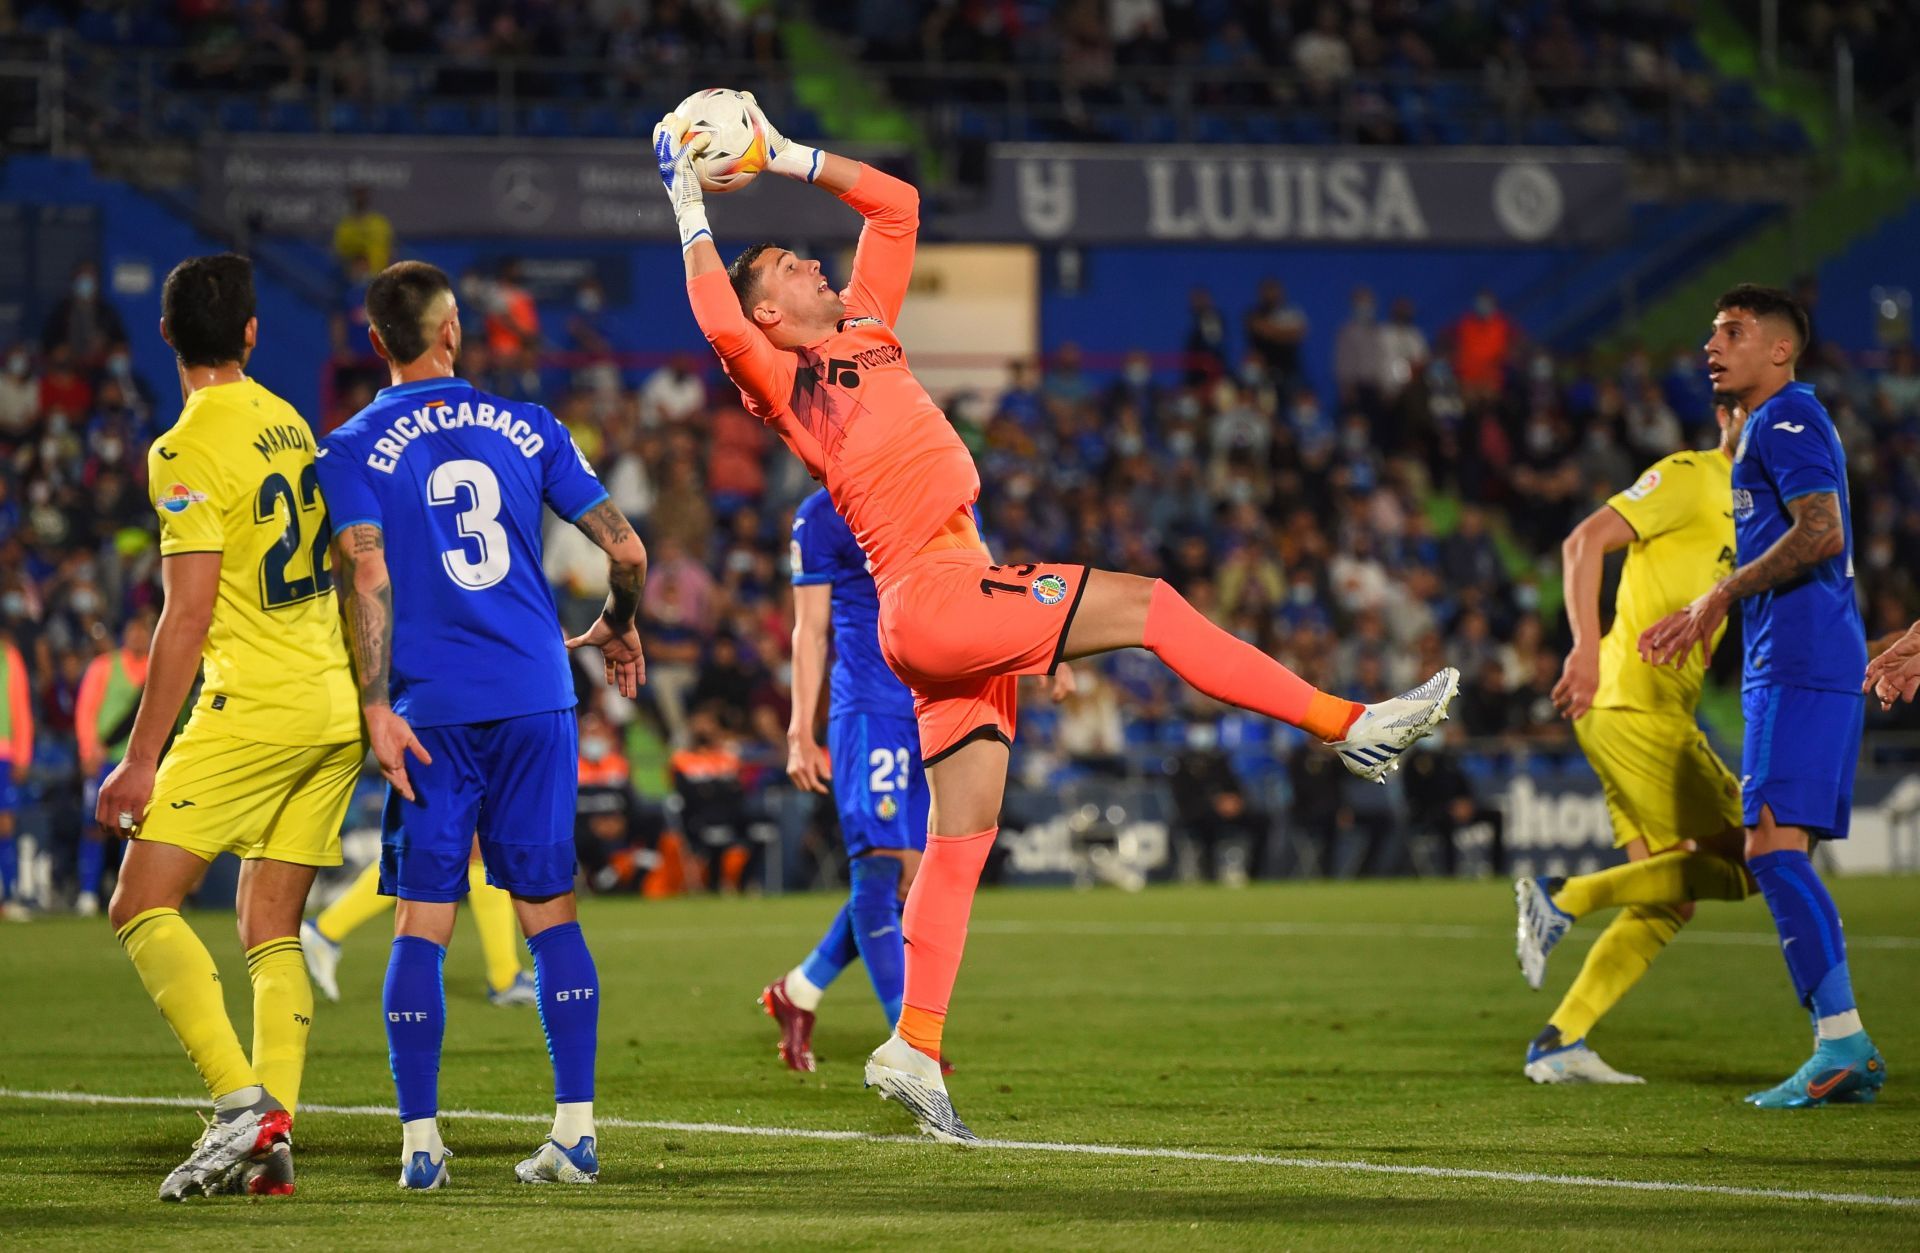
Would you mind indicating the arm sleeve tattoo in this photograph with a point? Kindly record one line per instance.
(1816, 535)
(367, 602)
(607, 527)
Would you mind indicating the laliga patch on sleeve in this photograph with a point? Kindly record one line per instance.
(1645, 487)
(178, 497)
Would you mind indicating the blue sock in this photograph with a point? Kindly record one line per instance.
(9, 868)
(93, 862)
(415, 1001)
(1809, 927)
(834, 953)
(569, 988)
(876, 928)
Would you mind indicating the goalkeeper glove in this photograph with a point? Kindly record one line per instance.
(783, 155)
(674, 152)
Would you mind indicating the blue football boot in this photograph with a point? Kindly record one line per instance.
(551, 1163)
(1840, 1072)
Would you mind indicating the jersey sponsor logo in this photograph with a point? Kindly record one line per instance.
(1645, 487)
(884, 354)
(179, 498)
(1049, 589)
(1789, 427)
(847, 324)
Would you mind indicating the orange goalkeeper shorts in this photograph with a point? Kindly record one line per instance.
(960, 630)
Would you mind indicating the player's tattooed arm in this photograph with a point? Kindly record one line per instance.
(614, 634)
(607, 527)
(366, 596)
(1817, 535)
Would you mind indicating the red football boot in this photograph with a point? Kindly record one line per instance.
(796, 1025)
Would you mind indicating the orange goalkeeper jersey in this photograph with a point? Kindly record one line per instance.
(848, 405)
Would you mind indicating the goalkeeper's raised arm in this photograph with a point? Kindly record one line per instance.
(771, 301)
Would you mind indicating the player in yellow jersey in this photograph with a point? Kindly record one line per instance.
(1675, 806)
(266, 765)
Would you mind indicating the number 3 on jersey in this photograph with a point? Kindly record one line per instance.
(277, 591)
(478, 523)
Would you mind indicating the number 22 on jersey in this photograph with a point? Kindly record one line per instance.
(277, 505)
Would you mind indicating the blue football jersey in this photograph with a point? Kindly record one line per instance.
(1807, 633)
(458, 481)
(824, 551)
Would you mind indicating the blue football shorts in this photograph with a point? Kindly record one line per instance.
(879, 785)
(1799, 757)
(514, 782)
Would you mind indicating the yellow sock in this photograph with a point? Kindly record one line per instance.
(357, 905)
(1667, 879)
(499, 933)
(1614, 964)
(180, 977)
(282, 1016)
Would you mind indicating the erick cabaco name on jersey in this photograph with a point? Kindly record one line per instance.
(439, 415)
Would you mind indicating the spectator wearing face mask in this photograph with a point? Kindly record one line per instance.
(83, 322)
(19, 395)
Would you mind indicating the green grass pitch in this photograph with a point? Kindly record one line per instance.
(1378, 1023)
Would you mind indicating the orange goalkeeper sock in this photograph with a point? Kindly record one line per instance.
(934, 926)
(1229, 669)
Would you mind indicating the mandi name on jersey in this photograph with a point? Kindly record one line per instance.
(438, 415)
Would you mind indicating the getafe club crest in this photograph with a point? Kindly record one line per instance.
(887, 808)
(1049, 589)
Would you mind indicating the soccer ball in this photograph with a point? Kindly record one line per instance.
(736, 147)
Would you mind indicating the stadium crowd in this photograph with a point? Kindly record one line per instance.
(1366, 518)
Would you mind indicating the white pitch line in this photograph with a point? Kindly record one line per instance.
(1043, 1146)
(1310, 930)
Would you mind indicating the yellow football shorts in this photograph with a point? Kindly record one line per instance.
(216, 793)
(1663, 782)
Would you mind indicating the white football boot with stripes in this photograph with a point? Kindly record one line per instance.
(1384, 731)
(904, 1074)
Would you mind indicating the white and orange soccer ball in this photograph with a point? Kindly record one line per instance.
(736, 143)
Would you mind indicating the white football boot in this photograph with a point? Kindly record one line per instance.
(1385, 730)
(323, 960)
(904, 1074)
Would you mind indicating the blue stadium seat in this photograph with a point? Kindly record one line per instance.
(396, 119)
(802, 123)
(547, 121)
(235, 114)
(486, 120)
(347, 118)
(602, 121)
(1789, 136)
(291, 117)
(1211, 128)
(446, 119)
(1264, 128)
(1155, 127)
(181, 117)
(1308, 128)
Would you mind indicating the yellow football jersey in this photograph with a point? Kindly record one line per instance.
(236, 477)
(1681, 511)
